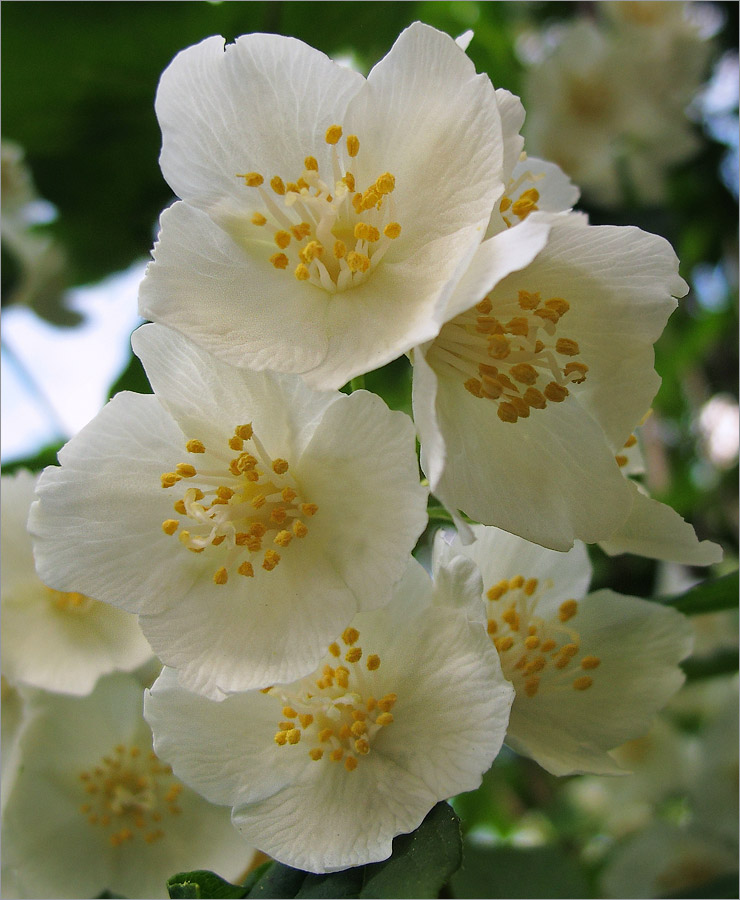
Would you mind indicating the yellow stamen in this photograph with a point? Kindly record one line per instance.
(195, 446)
(333, 134)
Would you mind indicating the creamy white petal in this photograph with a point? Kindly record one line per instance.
(656, 530)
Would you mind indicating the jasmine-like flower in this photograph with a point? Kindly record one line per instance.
(326, 216)
(407, 707)
(60, 641)
(589, 670)
(92, 809)
(244, 517)
(540, 376)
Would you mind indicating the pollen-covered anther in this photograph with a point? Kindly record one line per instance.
(353, 655)
(590, 662)
(583, 682)
(373, 662)
(567, 610)
(272, 558)
(195, 446)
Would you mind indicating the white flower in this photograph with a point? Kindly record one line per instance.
(244, 517)
(92, 808)
(407, 708)
(326, 216)
(589, 671)
(538, 378)
(607, 103)
(58, 641)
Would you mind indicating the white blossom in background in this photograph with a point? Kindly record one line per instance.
(92, 809)
(408, 707)
(539, 377)
(325, 217)
(60, 641)
(590, 670)
(608, 101)
(244, 517)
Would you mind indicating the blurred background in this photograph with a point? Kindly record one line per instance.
(638, 103)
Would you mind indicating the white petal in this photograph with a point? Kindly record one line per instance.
(655, 530)
(229, 298)
(639, 645)
(259, 104)
(512, 119)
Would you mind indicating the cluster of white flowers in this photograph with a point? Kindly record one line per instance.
(260, 522)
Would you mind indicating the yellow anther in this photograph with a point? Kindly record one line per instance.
(358, 262)
(291, 187)
(279, 260)
(353, 655)
(246, 569)
(258, 219)
(236, 443)
(279, 466)
(621, 460)
(579, 369)
(631, 440)
(583, 682)
(312, 250)
(316, 753)
(278, 515)
(336, 755)
(353, 144)
(302, 184)
(283, 538)
(567, 610)
(492, 626)
(294, 736)
(169, 479)
(535, 398)
(527, 300)
(532, 195)
(278, 185)
(311, 164)
(170, 526)
(548, 314)
(567, 347)
(516, 582)
(558, 304)
(522, 208)
(373, 662)
(371, 704)
(185, 470)
(392, 230)
(504, 643)
(358, 729)
(532, 642)
(524, 373)
(537, 665)
(518, 325)
(286, 726)
(301, 272)
(365, 232)
(548, 645)
(344, 732)
(340, 249)
(252, 179)
(498, 590)
(271, 560)
(282, 239)
(484, 306)
(258, 501)
(590, 662)
(474, 387)
(305, 719)
(325, 735)
(530, 586)
(387, 702)
(289, 712)
(385, 183)
(195, 446)
(245, 432)
(333, 134)
(334, 649)
(350, 764)
(219, 539)
(350, 636)
(384, 718)
(362, 746)
(511, 617)
(507, 412)
(342, 676)
(281, 738)
(221, 576)
(499, 346)
(556, 392)
(531, 685)
(299, 529)
(300, 231)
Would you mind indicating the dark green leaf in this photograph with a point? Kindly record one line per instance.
(339, 884)
(710, 596)
(202, 883)
(721, 662)
(278, 881)
(519, 872)
(44, 458)
(421, 862)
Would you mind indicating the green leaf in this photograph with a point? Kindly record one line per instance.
(722, 662)
(512, 872)
(202, 883)
(278, 881)
(710, 596)
(339, 884)
(723, 886)
(421, 862)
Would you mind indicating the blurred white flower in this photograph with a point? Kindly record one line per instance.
(54, 640)
(92, 809)
(407, 708)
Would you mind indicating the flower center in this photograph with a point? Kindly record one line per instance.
(327, 230)
(511, 353)
(242, 503)
(128, 794)
(70, 602)
(336, 710)
(532, 648)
